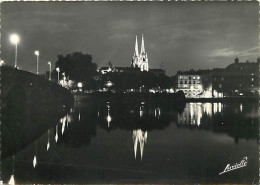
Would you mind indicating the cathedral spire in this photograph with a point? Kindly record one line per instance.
(136, 47)
(142, 46)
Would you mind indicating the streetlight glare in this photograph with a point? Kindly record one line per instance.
(14, 39)
(49, 63)
(58, 69)
(37, 53)
(80, 85)
(2, 62)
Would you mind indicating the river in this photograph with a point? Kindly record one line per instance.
(139, 142)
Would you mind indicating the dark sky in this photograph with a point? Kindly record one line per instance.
(183, 35)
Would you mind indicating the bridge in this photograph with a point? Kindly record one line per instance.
(24, 88)
(30, 104)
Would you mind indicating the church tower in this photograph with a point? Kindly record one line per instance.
(136, 55)
(140, 60)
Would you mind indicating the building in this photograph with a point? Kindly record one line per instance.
(237, 79)
(190, 83)
(106, 69)
(139, 63)
(140, 60)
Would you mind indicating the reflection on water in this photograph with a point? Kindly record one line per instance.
(108, 115)
(35, 155)
(48, 144)
(97, 135)
(12, 181)
(139, 137)
(56, 135)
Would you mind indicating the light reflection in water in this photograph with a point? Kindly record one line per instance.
(68, 118)
(63, 124)
(56, 135)
(141, 111)
(140, 137)
(35, 156)
(48, 144)
(157, 112)
(12, 180)
(194, 112)
(79, 116)
(215, 108)
(34, 161)
(207, 108)
(199, 113)
(109, 119)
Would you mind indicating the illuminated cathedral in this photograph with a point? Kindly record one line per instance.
(140, 60)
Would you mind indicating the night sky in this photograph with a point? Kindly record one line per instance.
(182, 35)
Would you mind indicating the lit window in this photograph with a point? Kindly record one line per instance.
(180, 77)
(220, 85)
(194, 78)
(198, 77)
(252, 85)
(252, 74)
(252, 79)
(222, 78)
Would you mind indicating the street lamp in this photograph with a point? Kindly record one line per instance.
(80, 85)
(2, 62)
(58, 70)
(14, 38)
(37, 53)
(50, 70)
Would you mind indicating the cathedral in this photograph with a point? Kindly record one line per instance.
(140, 60)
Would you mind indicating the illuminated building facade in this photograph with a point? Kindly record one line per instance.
(190, 83)
(237, 79)
(140, 60)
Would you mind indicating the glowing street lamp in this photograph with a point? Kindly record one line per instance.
(37, 53)
(50, 70)
(80, 85)
(2, 62)
(14, 38)
(58, 70)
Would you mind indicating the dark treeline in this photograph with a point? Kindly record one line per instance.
(80, 67)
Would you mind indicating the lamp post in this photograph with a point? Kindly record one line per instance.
(50, 70)
(37, 53)
(58, 70)
(14, 38)
(2, 62)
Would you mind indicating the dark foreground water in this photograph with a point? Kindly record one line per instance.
(138, 142)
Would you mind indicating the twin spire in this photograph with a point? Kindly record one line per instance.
(140, 60)
(142, 46)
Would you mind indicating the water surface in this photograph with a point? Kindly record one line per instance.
(144, 142)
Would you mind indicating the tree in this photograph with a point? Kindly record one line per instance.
(78, 67)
